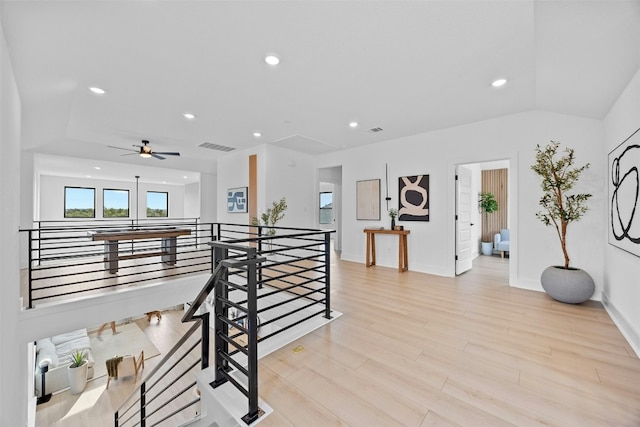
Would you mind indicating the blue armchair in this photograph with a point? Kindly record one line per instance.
(501, 241)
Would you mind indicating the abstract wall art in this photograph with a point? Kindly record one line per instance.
(368, 199)
(624, 189)
(414, 198)
(237, 200)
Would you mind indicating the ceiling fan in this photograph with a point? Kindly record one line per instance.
(144, 150)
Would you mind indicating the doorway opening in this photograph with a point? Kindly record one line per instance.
(475, 228)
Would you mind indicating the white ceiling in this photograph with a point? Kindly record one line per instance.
(405, 66)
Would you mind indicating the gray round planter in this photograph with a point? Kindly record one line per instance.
(572, 286)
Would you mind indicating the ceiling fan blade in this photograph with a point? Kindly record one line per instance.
(168, 153)
(120, 148)
(129, 154)
(156, 156)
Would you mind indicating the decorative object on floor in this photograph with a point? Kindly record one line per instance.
(237, 200)
(414, 198)
(124, 366)
(393, 213)
(563, 283)
(487, 204)
(77, 371)
(129, 340)
(624, 188)
(368, 199)
(152, 313)
(272, 216)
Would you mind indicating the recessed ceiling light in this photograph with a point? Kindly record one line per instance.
(97, 90)
(257, 134)
(97, 168)
(353, 124)
(189, 116)
(88, 176)
(185, 177)
(272, 59)
(499, 82)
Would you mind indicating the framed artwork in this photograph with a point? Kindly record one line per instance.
(413, 198)
(237, 200)
(624, 188)
(368, 199)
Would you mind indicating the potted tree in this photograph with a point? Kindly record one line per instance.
(560, 208)
(77, 371)
(488, 204)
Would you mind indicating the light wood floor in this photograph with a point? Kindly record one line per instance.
(418, 350)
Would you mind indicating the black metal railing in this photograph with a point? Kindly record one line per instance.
(77, 258)
(262, 286)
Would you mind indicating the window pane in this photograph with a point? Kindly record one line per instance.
(79, 202)
(115, 203)
(326, 208)
(157, 204)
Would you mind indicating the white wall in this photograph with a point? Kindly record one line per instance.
(51, 196)
(208, 197)
(622, 269)
(291, 175)
(192, 200)
(431, 244)
(281, 173)
(14, 358)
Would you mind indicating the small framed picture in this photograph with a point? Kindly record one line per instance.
(237, 200)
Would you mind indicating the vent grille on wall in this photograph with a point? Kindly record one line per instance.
(377, 129)
(216, 147)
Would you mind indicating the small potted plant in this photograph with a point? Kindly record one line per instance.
(393, 213)
(488, 204)
(77, 371)
(560, 208)
(271, 217)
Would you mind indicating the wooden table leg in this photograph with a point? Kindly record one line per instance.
(373, 249)
(405, 252)
(169, 245)
(111, 256)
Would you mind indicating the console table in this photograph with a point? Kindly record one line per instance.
(112, 237)
(403, 256)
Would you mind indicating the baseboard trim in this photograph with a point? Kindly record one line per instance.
(631, 335)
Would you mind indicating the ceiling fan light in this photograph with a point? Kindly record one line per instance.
(145, 155)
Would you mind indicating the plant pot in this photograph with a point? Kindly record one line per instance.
(487, 248)
(77, 377)
(572, 286)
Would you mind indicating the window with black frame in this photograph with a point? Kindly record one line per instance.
(79, 202)
(326, 207)
(157, 204)
(115, 203)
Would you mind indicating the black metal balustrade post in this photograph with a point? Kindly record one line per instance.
(30, 283)
(252, 339)
(327, 274)
(221, 293)
(143, 404)
(205, 340)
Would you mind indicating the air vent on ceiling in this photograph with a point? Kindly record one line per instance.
(375, 130)
(217, 147)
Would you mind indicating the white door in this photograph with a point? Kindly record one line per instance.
(463, 220)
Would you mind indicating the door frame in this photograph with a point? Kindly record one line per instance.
(452, 165)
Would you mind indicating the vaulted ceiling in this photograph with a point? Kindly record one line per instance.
(405, 67)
